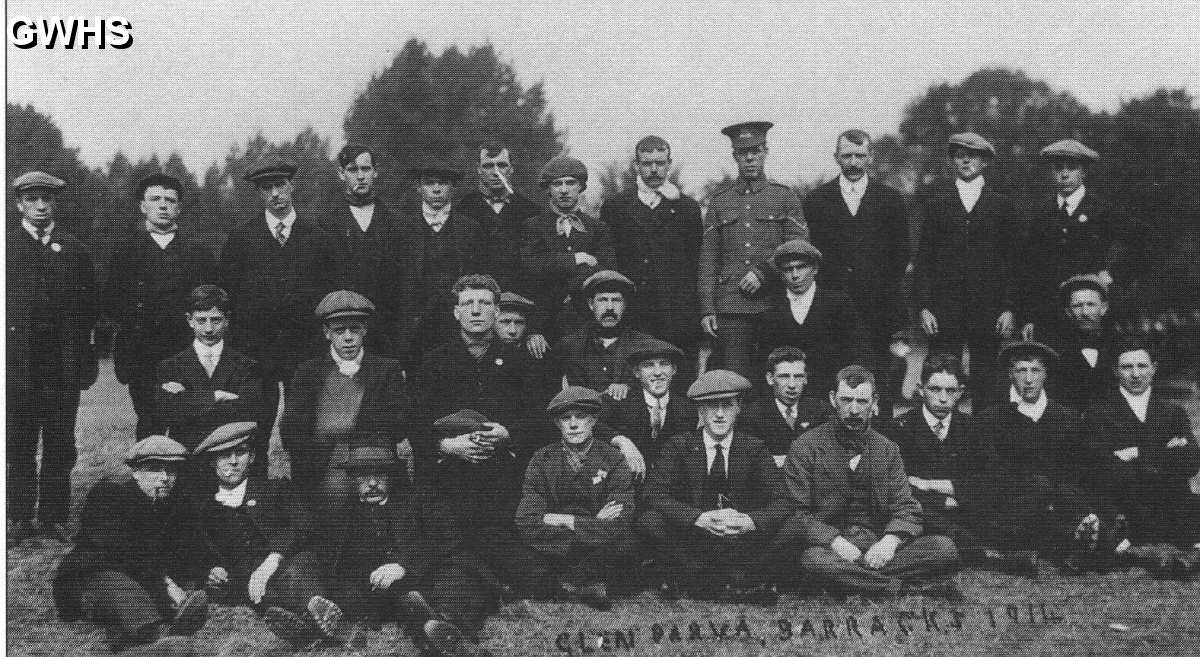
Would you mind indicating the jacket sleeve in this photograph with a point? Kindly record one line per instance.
(102, 521)
(296, 423)
(606, 255)
(593, 531)
(769, 518)
(709, 264)
(436, 536)
(798, 472)
(903, 508)
(666, 487)
(536, 501)
(536, 256)
(180, 408)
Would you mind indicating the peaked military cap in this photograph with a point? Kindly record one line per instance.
(718, 384)
(156, 448)
(1070, 149)
(344, 303)
(1083, 282)
(37, 180)
(226, 436)
(750, 133)
(516, 302)
(653, 348)
(608, 280)
(1020, 349)
(460, 422)
(271, 167)
(970, 141)
(562, 167)
(796, 250)
(575, 397)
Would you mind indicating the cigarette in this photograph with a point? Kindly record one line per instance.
(507, 186)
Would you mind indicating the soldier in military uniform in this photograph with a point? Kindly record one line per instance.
(746, 220)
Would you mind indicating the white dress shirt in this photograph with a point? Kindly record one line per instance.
(363, 214)
(161, 238)
(801, 303)
(710, 449)
(347, 367)
(1137, 403)
(968, 192)
(209, 357)
(33, 231)
(1091, 355)
(1072, 200)
(436, 218)
(932, 420)
(651, 197)
(852, 192)
(1032, 411)
(273, 223)
(789, 413)
(232, 497)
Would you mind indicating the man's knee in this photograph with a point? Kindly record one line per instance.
(652, 526)
(819, 560)
(939, 550)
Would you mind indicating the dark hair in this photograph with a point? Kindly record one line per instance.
(350, 152)
(943, 363)
(785, 355)
(1134, 343)
(854, 136)
(651, 144)
(476, 282)
(160, 180)
(856, 375)
(207, 297)
(493, 149)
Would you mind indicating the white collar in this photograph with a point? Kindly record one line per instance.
(650, 196)
(287, 220)
(231, 497)
(362, 215)
(710, 442)
(801, 303)
(432, 214)
(202, 349)
(931, 419)
(975, 184)
(32, 230)
(853, 187)
(1137, 403)
(347, 367)
(783, 408)
(1072, 200)
(1032, 411)
(651, 400)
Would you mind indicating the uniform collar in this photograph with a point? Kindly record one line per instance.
(745, 186)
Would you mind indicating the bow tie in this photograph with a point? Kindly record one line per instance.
(568, 222)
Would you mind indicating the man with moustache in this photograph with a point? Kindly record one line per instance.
(965, 280)
(594, 356)
(643, 422)
(785, 412)
(657, 232)
(1084, 341)
(51, 307)
(746, 220)
(856, 521)
(151, 273)
(860, 226)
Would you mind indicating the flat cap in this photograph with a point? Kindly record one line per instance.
(1071, 149)
(514, 301)
(653, 348)
(1083, 282)
(371, 457)
(156, 448)
(750, 133)
(37, 180)
(460, 422)
(435, 171)
(575, 397)
(226, 436)
(718, 384)
(796, 250)
(561, 167)
(607, 280)
(344, 303)
(970, 141)
(157, 180)
(1021, 349)
(271, 167)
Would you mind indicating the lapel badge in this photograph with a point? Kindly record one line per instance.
(499, 362)
(1083, 218)
(55, 247)
(251, 503)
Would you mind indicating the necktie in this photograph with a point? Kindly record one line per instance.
(656, 419)
(717, 477)
(791, 417)
(939, 429)
(1066, 211)
(41, 234)
(280, 234)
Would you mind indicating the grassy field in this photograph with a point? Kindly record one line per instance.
(997, 615)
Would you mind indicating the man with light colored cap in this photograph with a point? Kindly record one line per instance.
(1074, 231)
(276, 266)
(563, 246)
(1084, 340)
(966, 280)
(594, 356)
(654, 410)
(51, 307)
(746, 220)
(577, 503)
(138, 550)
(713, 501)
(348, 392)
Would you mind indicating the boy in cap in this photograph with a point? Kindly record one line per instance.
(50, 312)
(654, 411)
(965, 281)
(561, 247)
(349, 391)
(784, 412)
(513, 327)
(594, 355)
(139, 547)
(1084, 340)
(746, 220)
(152, 271)
(577, 503)
(713, 501)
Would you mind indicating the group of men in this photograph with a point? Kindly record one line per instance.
(517, 402)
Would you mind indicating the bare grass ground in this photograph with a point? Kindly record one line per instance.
(997, 615)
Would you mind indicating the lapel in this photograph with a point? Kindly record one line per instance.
(254, 500)
(739, 465)
(696, 463)
(869, 200)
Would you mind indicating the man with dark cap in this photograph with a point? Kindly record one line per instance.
(139, 547)
(594, 356)
(254, 531)
(512, 327)
(1073, 231)
(713, 501)
(657, 232)
(392, 554)
(857, 525)
(577, 503)
(276, 266)
(784, 412)
(818, 320)
(561, 247)
(643, 422)
(1084, 340)
(746, 220)
(348, 392)
(965, 280)
(51, 307)
(152, 271)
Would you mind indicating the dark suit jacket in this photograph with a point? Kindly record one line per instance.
(631, 418)
(965, 263)
(960, 458)
(273, 512)
(385, 409)
(502, 238)
(586, 362)
(675, 486)
(761, 417)
(1072, 380)
(1026, 454)
(190, 415)
(549, 261)
(372, 266)
(832, 336)
(864, 254)
(1158, 473)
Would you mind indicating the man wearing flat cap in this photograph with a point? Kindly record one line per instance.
(393, 554)
(713, 501)
(139, 548)
(594, 355)
(152, 271)
(654, 410)
(513, 318)
(348, 392)
(562, 246)
(51, 307)
(965, 282)
(746, 220)
(657, 231)
(276, 267)
(1074, 230)
(1084, 340)
(817, 319)
(577, 503)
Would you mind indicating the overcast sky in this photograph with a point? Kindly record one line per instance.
(201, 76)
